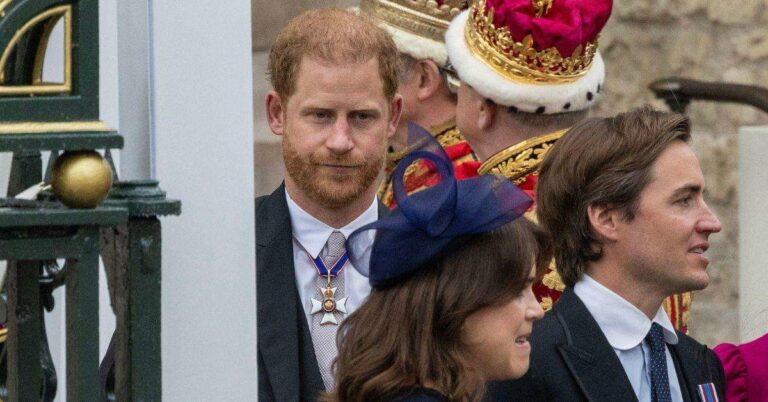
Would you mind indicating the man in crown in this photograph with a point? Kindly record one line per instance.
(529, 70)
(427, 85)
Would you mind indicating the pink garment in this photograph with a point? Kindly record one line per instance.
(746, 370)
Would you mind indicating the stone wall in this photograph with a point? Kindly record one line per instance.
(707, 40)
(645, 40)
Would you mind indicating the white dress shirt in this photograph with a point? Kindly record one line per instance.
(311, 234)
(625, 327)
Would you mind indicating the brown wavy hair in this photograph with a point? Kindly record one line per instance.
(410, 334)
(600, 161)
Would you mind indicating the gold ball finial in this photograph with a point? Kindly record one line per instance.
(81, 179)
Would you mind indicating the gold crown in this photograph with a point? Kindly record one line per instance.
(520, 61)
(424, 18)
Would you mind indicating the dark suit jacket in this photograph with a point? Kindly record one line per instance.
(571, 360)
(288, 369)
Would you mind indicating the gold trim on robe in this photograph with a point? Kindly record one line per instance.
(448, 135)
(521, 159)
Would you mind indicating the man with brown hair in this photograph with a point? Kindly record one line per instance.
(334, 104)
(624, 200)
(427, 84)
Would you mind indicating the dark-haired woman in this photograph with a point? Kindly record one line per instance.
(452, 305)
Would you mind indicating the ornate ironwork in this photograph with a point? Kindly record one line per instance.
(34, 233)
(26, 27)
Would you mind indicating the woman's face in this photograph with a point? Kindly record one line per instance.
(498, 335)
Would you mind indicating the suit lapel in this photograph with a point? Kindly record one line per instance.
(588, 355)
(691, 365)
(682, 377)
(279, 318)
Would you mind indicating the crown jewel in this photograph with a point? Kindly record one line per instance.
(542, 6)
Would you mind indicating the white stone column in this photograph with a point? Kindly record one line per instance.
(203, 136)
(133, 93)
(753, 232)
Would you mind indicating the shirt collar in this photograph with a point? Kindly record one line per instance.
(623, 324)
(312, 234)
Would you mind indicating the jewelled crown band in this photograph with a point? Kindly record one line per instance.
(520, 61)
(426, 18)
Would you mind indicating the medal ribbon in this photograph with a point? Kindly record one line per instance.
(322, 270)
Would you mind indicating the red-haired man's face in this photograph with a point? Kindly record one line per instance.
(335, 128)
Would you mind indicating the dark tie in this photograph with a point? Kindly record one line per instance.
(658, 364)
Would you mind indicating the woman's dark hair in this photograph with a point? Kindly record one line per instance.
(410, 334)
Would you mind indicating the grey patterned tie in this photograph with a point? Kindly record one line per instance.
(325, 323)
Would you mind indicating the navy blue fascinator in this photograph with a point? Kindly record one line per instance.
(424, 223)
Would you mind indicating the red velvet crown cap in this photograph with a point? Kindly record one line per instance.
(540, 56)
(567, 25)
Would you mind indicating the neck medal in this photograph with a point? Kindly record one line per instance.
(329, 305)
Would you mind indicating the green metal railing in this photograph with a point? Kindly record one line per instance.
(62, 118)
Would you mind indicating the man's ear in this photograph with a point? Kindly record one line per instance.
(396, 109)
(604, 221)
(429, 78)
(275, 112)
(487, 114)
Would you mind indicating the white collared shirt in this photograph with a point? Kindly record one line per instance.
(311, 234)
(625, 327)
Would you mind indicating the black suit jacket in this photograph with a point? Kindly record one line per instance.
(288, 369)
(571, 360)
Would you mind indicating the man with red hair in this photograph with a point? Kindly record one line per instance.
(334, 105)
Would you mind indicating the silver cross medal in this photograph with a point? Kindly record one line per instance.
(329, 305)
